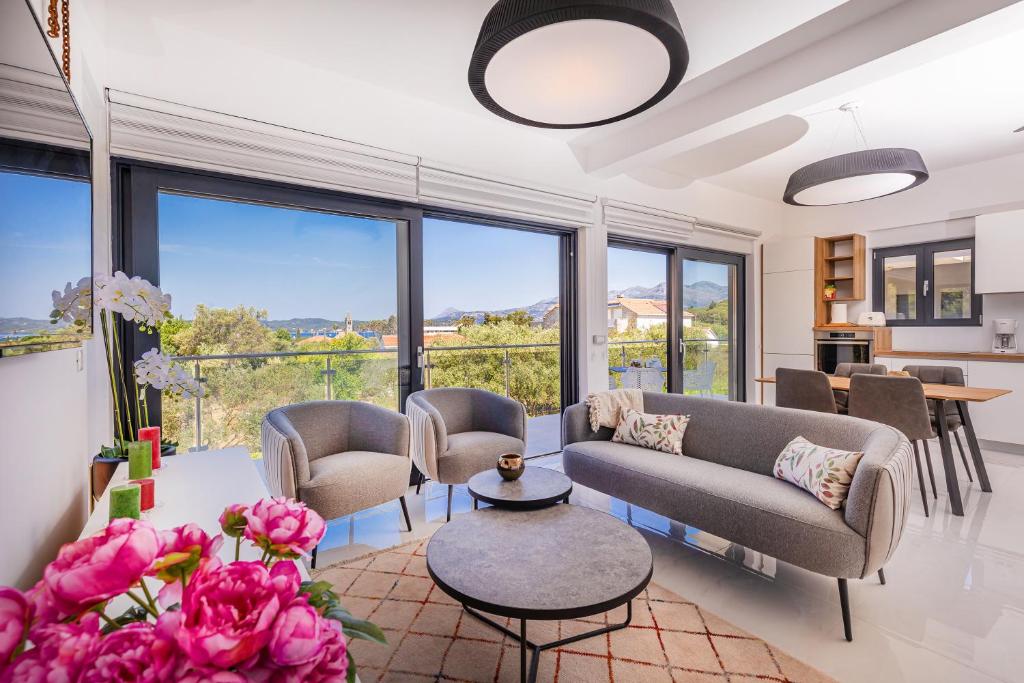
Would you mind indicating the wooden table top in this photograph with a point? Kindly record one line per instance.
(943, 392)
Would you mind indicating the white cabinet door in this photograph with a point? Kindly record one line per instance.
(789, 312)
(998, 242)
(1001, 418)
(794, 254)
(774, 361)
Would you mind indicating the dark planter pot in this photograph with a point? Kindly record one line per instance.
(167, 449)
(102, 472)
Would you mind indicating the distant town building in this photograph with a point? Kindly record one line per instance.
(432, 336)
(625, 314)
(348, 323)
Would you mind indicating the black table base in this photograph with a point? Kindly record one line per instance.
(952, 483)
(530, 675)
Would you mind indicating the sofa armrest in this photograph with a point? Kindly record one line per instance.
(499, 414)
(280, 460)
(879, 498)
(378, 430)
(576, 426)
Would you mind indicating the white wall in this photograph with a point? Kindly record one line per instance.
(53, 406)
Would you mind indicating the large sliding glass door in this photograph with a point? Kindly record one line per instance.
(710, 324)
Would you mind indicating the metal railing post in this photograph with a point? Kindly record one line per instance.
(197, 373)
(508, 372)
(328, 379)
(622, 348)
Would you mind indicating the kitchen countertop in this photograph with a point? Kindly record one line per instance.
(956, 355)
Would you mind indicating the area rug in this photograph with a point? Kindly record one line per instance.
(430, 637)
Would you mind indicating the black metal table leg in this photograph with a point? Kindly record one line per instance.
(972, 444)
(530, 673)
(948, 466)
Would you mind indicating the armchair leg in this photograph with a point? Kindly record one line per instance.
(405, 511)
(419, 483)
(963, 456)
(931, 472)
(448, 518)
(844, 604)
(920, 477)
(312, 559)
(881, 576)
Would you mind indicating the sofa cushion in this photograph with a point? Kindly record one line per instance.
(472, 452)
(753, 510)
(825, 473)
(343, 483)
(657, 432)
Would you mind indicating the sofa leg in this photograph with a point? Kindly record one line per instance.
(881, 576)
(931, 472)
(405, 511)
(844, 603)
(920, 477)
(312, 559)
(448, 518)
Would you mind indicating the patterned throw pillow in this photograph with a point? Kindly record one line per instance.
(824, 472)
(658, 432)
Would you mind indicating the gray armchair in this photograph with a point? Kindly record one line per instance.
(337, 457)
(457, 432)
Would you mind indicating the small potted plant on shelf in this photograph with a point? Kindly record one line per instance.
(138, 303)
(830, 292)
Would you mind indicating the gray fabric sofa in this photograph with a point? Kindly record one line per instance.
(337, 457)
(724, 483)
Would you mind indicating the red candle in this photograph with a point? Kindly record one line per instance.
(152, 434)
(147, 497)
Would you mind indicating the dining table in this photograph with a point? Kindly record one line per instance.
(941, 393)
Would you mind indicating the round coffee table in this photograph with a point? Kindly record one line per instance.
(558, 562)
(537, 487)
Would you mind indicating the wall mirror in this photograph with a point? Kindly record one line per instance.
(45, 195)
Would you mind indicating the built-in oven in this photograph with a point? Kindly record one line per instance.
(834, 347)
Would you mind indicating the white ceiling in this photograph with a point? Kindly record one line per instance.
(955, 108)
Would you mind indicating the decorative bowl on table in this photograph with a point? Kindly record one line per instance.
(511, 466)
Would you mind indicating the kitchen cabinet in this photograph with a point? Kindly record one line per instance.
(789, 312)
(787, 255)
(998, 419)
(998, 240)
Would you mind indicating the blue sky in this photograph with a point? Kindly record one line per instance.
(45, 224)
(628, 267)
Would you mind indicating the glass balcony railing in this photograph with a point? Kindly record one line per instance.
(639, 362)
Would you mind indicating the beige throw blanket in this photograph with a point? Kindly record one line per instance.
(608, 407)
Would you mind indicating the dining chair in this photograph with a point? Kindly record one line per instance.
(898, 402)
(804, 390)
(848, 370)
(951, 376)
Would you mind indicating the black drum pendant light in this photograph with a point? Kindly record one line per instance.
(857, 176)
(576, 64)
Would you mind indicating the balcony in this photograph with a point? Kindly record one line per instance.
(644, 364)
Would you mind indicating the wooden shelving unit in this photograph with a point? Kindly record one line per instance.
(839, 261)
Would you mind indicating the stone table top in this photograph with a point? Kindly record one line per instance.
(537, 487)
(558, 562)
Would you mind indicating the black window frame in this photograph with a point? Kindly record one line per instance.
(136, 184)
(924, 254)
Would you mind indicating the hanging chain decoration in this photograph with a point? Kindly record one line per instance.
(65, 9)
(55, 27)
(51, 20)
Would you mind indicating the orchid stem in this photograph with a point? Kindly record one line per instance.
(118, 428)
(142, 603)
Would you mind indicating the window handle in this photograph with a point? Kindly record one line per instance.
(924, 291)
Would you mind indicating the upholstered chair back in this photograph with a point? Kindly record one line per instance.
(804, 390)
(896, 401)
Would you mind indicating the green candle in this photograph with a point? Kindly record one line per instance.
(125, 501)
(140, 459)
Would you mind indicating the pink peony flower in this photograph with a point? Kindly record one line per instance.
(284, 527)
(330, 667)
(296, 637)
(59, 653)
(232, 520)
(136, 652)
(15, 617)
(183, 548)
(228, 611)
(97, 568)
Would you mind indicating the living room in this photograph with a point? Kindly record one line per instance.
(479, 341)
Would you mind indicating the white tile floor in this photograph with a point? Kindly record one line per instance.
(953, 609)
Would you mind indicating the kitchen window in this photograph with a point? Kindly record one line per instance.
(929, 284)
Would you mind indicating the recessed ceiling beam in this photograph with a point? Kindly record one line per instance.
(859, 42)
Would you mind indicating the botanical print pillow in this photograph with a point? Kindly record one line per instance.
(825, 472)
(658, 432)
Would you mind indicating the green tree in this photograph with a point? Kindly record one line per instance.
(465, 321)
(222, 331)
(520, 317)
